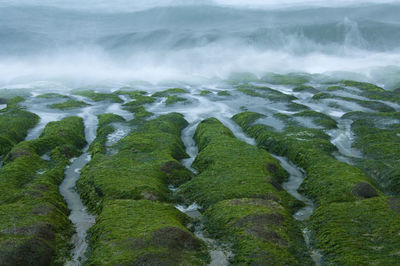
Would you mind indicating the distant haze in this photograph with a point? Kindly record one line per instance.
(188, 40)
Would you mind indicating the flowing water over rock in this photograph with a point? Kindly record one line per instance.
(296, 177)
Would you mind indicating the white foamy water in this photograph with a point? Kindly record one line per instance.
(99, 41)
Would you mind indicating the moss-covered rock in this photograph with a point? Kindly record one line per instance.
(374, 105)
(205, 92)
(223, 93)
(230, 168)
(104, 129)
(372, 91)
(126, 190)
(319, 118)
(239, 185)
(172, 99)
(146, 162)
(378, 137)
(265, 92)
(34, 221)
(70, 104)
(328, 180)
(262, 231)
(51, 95)
(359, 234)
(169, 92)
(304, 88)
(14, 124)
(354, 223)
(98, 96)
(143, 232)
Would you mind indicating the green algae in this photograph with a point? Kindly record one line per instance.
(131, 93)
(168, 92)
(104, 129)
(127, 189)
(147, 160)
(224, 162)
(51, 95)
(205, 92)
(380, 144)
(172, 99)
(304, 88)
(14, 123)
(319, 118)
(98, 96)
(262, 231)
(328, 180)
(143, 232)
(372, 91)
(374, 105)
(223, 93)
(359, 234)
(70, 104)
(239, 186)
(354, 223)
(33, 215)
(265, 92)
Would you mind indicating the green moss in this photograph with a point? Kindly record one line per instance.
(319, 118)
(374, 105)
(146, 162)
(14, 124)
(262, 231)
(33, 216)
(70, 104)
(172, 99)
(131, 93)
(224, 93)
(105, 119)
(336, 88)
(230, 168)
(368, 87)
(380, 147)
(168, 92)
(372, 91)
(98, 96)
(139, 101)
(51, 95)
(286, 79)
(103, 130)
(239, 186)
(266, 93)
(205, 92)
(304, 88)
(328, 180)
(297, 107)
(143, 233)
(361, 233)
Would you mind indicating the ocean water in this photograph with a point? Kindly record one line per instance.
(100, 42)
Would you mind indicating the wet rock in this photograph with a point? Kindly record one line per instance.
(364, 190)
(149, 196)
(175, 238)
(30, 252)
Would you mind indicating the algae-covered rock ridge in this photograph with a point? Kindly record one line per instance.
(279, 169)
